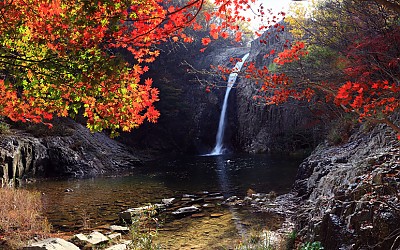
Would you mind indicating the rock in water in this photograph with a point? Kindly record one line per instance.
(214, 198)
(169, 202)
(129, 213)
(52, 244)
(208, 205)
(186, 210)
(119, 228)
(94, 238)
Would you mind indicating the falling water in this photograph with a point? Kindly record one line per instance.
(219, 149)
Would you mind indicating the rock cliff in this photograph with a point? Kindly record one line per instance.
(351, 192)
(260, 128)
(70, 150)
(189, 115)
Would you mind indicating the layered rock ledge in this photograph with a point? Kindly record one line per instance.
(350, 192)
(75, 152)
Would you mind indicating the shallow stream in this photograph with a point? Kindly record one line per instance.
(95, 203)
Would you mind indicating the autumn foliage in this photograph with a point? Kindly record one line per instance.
(60, 58)
(63, 59)
(369, 66)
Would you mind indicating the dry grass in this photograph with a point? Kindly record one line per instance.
(20, 217)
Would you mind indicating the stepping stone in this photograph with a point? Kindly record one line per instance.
(115, 236)
(94, 238)
(186, 210)
(127, 214)
(119, 228)
(214, 198)
(168, 202)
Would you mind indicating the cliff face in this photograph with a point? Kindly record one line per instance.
(189, 115)
(260, 128)
(351, 192)
(75, 153)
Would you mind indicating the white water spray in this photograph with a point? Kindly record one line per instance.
(219, 149)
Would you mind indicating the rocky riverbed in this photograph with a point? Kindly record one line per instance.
(212, 210)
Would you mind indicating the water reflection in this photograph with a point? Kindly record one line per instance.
(235, 173)
(223, 163)
(223, 176)
(103, 198)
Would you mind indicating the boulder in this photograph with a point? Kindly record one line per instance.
(349, 192)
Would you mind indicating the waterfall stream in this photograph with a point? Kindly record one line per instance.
(219, 147)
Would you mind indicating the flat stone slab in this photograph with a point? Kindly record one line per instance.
(52, 244)
(186, 210)
(117, 247)
(169, 201)
(115, 236)
(119, 228)
(214, 198)
(94, 238)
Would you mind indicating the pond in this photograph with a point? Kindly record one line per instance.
(96, 202)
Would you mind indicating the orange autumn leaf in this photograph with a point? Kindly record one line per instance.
(205, 41)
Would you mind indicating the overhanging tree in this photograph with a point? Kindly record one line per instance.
(60, 57)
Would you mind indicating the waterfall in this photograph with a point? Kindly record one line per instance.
(219, 148)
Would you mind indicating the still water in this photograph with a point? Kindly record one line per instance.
(96, 202)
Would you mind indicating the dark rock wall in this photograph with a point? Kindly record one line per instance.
(20, 156)
(189, 115)
(260, 128)
(351, 192)
(77, 153)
